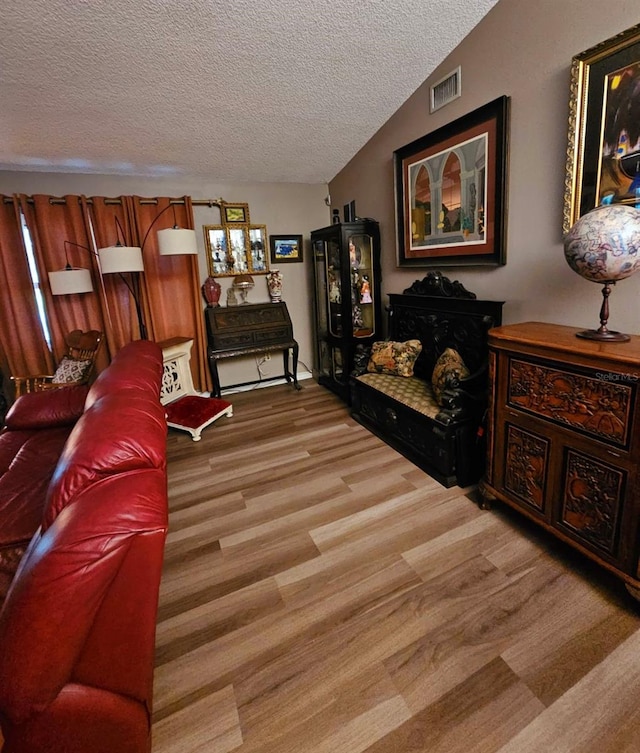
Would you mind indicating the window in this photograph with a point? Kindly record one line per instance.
(35, 281)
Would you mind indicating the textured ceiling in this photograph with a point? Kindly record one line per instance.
(251, 90)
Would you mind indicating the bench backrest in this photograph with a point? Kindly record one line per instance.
(442, 314)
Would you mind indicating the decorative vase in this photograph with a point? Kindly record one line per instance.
(604, 246)
(211, 290)
(274, 283)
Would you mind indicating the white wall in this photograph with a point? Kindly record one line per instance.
(283, 208)
(522, 49)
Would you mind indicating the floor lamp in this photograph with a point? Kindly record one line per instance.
(125, 261)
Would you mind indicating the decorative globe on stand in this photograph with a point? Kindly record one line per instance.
(604, 246)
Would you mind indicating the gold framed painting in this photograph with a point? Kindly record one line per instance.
(235, 214)
(603, 146)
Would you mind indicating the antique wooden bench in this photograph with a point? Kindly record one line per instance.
(441, 432)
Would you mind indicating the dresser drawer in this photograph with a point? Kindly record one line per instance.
(233, 340)
(273, 335)
(581, 401)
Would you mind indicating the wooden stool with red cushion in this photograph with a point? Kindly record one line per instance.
(185, 408)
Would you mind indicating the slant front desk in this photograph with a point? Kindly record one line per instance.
(250, 329)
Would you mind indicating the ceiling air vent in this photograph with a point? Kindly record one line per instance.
(448, 88)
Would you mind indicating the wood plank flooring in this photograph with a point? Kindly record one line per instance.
(323, 595)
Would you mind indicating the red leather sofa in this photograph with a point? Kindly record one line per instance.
(77, 627)
(36, 430)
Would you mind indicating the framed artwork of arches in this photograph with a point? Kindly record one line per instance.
(451, 191)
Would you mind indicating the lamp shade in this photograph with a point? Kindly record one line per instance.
(115, 259)
(243, 281)
(70, 280)
(173, 241)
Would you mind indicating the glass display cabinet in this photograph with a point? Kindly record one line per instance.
(348, 311)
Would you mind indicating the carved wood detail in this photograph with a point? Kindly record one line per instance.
(436, 284)
(600, 407)
(526, 466)
(592, 498)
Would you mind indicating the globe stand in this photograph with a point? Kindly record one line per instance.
(602, 333)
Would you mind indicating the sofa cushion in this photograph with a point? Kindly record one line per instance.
(448, 370)
(42, 410)
(27, 462)
(120, 432)
(413, 392)
(25, 479)
(394, 358)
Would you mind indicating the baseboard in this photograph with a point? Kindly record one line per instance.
(261, 385)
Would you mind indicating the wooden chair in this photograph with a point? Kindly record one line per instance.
(76, 365)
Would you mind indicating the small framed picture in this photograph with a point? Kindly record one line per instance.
(234, 214)
(285, 248)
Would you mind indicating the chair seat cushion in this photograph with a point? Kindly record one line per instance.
(413, 392)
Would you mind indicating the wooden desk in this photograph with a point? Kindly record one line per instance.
(250, 329)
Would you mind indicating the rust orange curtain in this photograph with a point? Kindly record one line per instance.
(171, 284)
(51, 222)
(22, 338)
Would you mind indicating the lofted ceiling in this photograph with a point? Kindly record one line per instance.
(250, 90)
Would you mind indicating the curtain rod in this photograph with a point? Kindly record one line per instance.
(194, 202)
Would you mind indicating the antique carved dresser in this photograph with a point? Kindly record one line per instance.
(564, 438)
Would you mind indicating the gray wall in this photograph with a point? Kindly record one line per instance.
(524, 50)
(283, 208)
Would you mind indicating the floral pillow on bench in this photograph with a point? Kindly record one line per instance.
(394, 358)
(449, 368)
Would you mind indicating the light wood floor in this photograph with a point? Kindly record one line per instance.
(323, 595)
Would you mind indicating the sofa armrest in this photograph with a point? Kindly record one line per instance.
(82, 718)
(67, 574)
(46, 410)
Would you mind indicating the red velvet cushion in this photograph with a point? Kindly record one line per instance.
(193, 411)
(39, 410)
(120, 432)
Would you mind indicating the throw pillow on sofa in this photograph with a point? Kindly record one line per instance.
(71, 370)
(449, 368)
(394, 358)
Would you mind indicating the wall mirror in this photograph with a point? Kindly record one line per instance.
(236, 248)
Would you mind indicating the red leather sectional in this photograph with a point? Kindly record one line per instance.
(77, 628)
